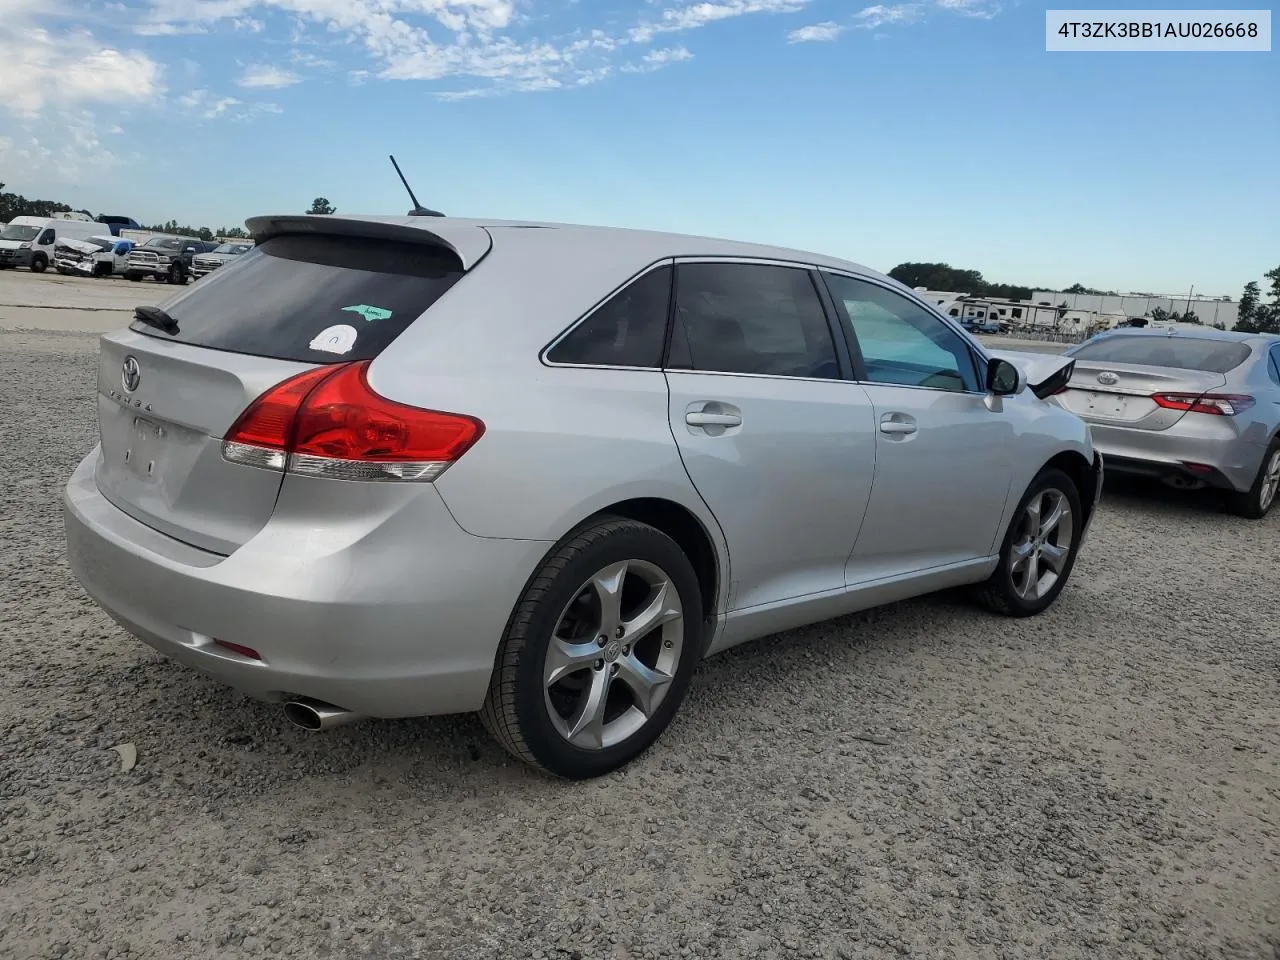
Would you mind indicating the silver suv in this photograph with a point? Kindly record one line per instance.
(388, 467)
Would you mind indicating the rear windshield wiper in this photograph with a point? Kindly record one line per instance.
(155, 317)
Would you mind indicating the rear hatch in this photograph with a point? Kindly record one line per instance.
(295, 301)
(1118, 378)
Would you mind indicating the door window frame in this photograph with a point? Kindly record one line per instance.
(977, 356)
(839, 345)
(1273, 362)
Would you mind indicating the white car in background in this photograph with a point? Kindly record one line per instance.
(205, 263)
(103, 256)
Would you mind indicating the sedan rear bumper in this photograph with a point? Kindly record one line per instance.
(389, 612)
(1212, 453)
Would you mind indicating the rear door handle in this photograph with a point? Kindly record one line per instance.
(702, 419)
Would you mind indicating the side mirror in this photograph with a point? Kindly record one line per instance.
(1003, 378)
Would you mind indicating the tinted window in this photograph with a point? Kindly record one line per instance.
(901, 342)
(315, 299)
(750, 318)
(1159, 350)
(628, 330)
(1275, 364)
(47, 237)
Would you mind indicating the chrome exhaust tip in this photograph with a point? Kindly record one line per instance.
(316, 715)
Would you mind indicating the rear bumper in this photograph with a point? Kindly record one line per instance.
(390, 612)
(1209, 452)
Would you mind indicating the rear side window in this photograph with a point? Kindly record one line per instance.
(315, 299)
(627, 330)
(1180, 353)
(751, 318)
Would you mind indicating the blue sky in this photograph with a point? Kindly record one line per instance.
(928, 130)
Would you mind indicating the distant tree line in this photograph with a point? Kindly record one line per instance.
(15, 205)
(943, 276)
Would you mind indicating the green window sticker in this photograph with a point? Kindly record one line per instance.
(368, 312)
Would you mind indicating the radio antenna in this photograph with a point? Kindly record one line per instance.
(418, 209)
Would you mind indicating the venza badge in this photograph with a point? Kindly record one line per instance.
(130, 374)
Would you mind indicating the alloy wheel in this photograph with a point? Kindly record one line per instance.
(1039, 555)
(1270, 481)
(613, 654)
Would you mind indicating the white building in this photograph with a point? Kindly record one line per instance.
(1210, 310)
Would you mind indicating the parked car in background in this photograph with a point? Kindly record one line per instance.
(205, 263)
(116, 223)
(29, 241)
(166, 258)
(94, 257)
(1193, 407)
(398, 466)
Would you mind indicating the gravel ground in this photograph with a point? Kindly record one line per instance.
(1101, 781)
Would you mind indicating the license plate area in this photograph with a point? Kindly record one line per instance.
(146, 442)
(1110, 405)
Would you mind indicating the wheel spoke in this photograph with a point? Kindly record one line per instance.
(586, 729)
(608, 587)
(646, 683)
(1033, 514)
(1055, 556)
(1057, 513)
(662, 608)
(564, 658)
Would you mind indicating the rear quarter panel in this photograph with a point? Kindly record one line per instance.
(560, 443)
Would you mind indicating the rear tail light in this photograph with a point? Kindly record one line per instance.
(1219, 404)
(328, 422)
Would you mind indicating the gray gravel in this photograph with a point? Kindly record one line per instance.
(1102, 781)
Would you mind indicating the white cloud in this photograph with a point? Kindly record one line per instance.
(204, 105)
(693, 16)
(69, 68)
(267, 75)
(468, 40)
(657, 59)
(984, 9)
(878, 16)
(816, 33)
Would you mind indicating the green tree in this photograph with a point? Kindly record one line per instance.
(1160, 314)
(1274, 277)
(321, 205)
(1246, 313)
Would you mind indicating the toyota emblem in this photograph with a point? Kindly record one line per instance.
(130, 374)
(1105, 377)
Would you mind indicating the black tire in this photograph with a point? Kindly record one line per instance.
(39, 263)
(1256, 502)
(177, 274)
(135, 277)
(999, 593)
(518, 711)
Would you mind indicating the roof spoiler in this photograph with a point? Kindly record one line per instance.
(468, 243)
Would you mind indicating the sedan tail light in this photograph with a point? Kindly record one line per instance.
(1219, 404)
(328, 422)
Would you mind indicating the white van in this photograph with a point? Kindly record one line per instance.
(28, 241)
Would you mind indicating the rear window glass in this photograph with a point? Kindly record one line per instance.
(1182, 353)
(313, 299)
